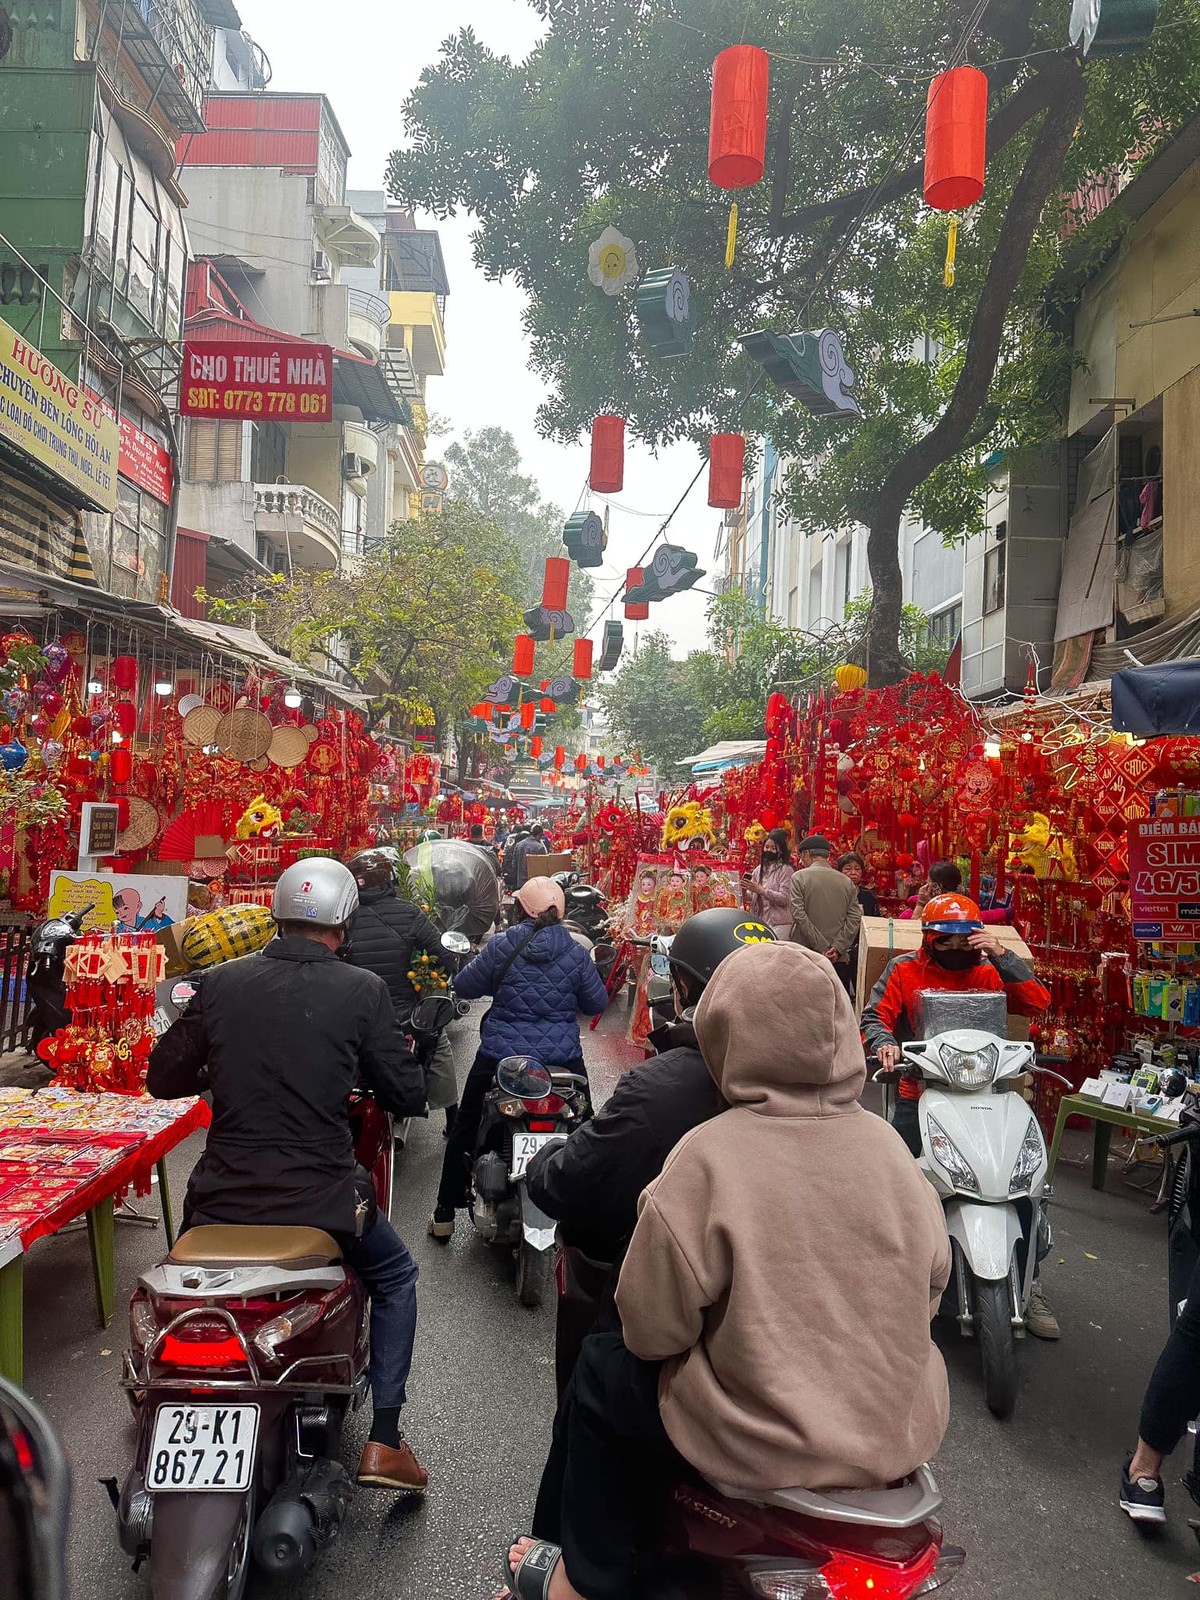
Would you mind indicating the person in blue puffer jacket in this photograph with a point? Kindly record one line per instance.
(540, 979)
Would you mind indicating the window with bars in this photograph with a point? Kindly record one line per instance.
(945, 627)
(214, 451)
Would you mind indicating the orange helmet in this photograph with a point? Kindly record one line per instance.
(951, 913)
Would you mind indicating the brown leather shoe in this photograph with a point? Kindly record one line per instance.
(384, 1468)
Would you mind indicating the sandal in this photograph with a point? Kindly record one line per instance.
(531, 1580)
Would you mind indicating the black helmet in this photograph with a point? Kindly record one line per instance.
(705, 939)
(374, 869)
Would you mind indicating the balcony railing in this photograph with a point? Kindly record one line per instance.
(372, 306)
(171, 47)
(300, 522)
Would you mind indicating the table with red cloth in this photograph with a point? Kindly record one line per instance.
(63, 1156)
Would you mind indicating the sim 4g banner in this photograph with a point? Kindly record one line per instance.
(1164, 878)
(272, 379)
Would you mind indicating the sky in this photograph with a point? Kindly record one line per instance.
(365, 56)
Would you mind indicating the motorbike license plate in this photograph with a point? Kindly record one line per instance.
(525, 1147)
(208, 1448)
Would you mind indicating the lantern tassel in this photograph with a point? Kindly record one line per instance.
(950, 273)
(731, 237)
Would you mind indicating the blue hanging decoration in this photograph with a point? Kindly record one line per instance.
(584, 538)
(664, 310)
(809, 366)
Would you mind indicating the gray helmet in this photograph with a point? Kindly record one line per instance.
(320, 891)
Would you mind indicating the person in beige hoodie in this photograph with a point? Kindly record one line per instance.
(776, 1296)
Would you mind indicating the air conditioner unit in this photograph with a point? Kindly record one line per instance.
(322, 272)
(353, 467)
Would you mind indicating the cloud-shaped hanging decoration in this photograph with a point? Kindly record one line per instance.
(502, 691)
(584, 538)
(672, 571)
(563, 691)
(664, 310)
(612, 262)
(809, 366)
(540, 621)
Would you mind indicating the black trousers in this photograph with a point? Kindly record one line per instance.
(1173, 1395)
(609, 1457)
(454, 1190)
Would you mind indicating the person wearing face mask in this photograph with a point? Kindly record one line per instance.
(958, 953)
(766, 892)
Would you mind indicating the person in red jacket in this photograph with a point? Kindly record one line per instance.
(960, 954)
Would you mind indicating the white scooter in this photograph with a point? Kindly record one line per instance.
(983, 1151)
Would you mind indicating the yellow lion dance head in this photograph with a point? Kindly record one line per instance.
(259, 818)
(688, 827)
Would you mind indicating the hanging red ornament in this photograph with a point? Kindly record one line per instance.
(535, 746)
(581, 666)
(554, 586)
(955, 138)
(726, 467)
(124, 672)
(122, 805)
(548, 707)
(737, 133)
(608, 455)
(560, 757)
(528, 714)
(523, 650)
(125, 716)
(580, 763)
(640, 611)
(120, 765)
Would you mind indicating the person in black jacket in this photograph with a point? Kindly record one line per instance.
(384, 936)
(279, 1039)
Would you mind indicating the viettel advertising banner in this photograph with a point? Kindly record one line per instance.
(55, 422)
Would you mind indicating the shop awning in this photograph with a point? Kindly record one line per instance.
(1163, 699)
(727, 753)
(246, 645)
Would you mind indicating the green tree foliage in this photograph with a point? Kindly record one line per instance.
(652, 705)
(606, 122)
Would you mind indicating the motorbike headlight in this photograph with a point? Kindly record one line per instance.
(1029, 1158)
(948, 1156)
(970, 1069)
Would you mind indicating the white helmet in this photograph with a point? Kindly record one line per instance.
(320, 891)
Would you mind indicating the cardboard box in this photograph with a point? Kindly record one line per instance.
(171, 940)
(547, 866)
(883, 938)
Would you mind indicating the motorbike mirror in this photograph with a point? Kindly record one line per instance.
(183, 993)
(457, 944)
(524, 1078)
(35, 1493)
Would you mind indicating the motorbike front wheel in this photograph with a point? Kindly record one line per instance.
(993, 1322)
(533, 1274)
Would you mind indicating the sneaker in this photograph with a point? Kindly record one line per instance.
(1040, 1320)
(441, 1224)
(381, 1467)
(1142, 1499)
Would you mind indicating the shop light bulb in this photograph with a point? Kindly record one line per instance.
(118, 738)
(992, 749)
(95, 686)
(293, 698)
(164, 686)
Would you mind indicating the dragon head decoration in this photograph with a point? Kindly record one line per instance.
(688, 827)
(1046, 855)
(259, 820)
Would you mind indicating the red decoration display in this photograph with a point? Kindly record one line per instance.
(608, 457)
(582, 664)
(726, 467)
(554, 587)
(560, 757)
(737, 135)
(124, 673)
(528, 714)
(639, 612)
(523, 650)
(955, 138)
(535, 746)
(120, 764)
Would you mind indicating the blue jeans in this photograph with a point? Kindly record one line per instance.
(389, 1274)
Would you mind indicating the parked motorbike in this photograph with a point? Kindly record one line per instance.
(248, 1348)
(45, 986)
(792, 1544)
(1182, 1187)
(528, 1105)
(983, 1151)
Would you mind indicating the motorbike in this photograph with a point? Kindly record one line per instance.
(983, 1151)
(792, 1544)
(45, 986)
(248, 1348)
(527, 1106)
(1181, 1184)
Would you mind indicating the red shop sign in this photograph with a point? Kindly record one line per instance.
(142, 459)
(1164, 878)
(273, 378)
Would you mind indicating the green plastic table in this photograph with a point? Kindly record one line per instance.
(1104, 1119)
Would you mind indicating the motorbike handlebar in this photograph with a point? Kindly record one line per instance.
(1164, 1141)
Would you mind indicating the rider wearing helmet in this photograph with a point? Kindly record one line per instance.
(590, 1183)
(280, 1039)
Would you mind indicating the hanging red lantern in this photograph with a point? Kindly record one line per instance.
(955, 138)
(535, 746)
(528, 714)
(554, 586)
(481, 710)
(120, 764)
(608, 455)
(726, 467)
(125, 716)
(737, 132)
(639, 612)
(548, 707)
(560, 757)
(124, 672)
(523, 650)
(581, 666)
(580, 762)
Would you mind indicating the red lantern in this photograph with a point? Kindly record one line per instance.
(554, 585)
(639, 612)
(535, 746)
(124, 672)
(726, 466)
(955, 138)
(548, 707)
(582, 664)
(608, 455)
(737, 131)
(125, 716)
(120, 764)
(560, 756)
(528, 714)
(580, 762)
(482, 710)
(523, 655)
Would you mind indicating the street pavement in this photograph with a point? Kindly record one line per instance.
(1033, 1500)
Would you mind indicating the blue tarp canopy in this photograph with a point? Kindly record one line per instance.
(1163, 699)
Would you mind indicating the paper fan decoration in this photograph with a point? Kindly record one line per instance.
(324, 757)
(612, 262)
(144, 823)
(206, 821)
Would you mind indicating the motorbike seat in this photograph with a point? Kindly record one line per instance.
(232, 1246)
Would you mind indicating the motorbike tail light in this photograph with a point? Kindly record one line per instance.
(201, 1352)
(549, 1107)
(279, 1330)
(538, 1126)
(847, 1576)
